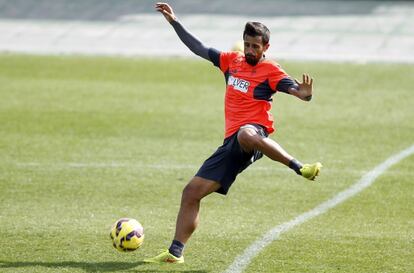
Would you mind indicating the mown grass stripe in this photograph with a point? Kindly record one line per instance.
(243, 260)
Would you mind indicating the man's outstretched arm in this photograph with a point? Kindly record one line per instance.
(195, 45)
(302, 90)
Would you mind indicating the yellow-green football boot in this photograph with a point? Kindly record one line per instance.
(310, 171)
(165, 257)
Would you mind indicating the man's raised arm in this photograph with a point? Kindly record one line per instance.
(195, 45)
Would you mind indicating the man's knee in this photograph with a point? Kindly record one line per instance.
(248, 139)
(191, 193)
(198, 188)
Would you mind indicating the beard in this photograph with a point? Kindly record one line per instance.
(251, 59)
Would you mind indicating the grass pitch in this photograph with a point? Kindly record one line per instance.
(85, 141)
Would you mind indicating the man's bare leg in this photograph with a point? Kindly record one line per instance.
(187, 219)
(188, 215)
(250, 140)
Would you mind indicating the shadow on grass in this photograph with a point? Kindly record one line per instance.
(89, 267)
(169, 271)
(94, 267)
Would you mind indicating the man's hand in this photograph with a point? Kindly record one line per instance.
(305, 88)
(166, 10)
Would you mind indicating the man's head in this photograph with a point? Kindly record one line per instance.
(256, 41)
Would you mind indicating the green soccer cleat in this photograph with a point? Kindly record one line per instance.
(165, 257)
(310, 171)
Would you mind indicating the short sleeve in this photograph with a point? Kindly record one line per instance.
(276, 74)
(226, 58)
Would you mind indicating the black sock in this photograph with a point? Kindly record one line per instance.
(296, 166)
(176, 248)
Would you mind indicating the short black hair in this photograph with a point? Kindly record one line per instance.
(257, 29)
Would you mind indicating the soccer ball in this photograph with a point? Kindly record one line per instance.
(127, 234)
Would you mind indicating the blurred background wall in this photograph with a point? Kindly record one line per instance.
(312, 30)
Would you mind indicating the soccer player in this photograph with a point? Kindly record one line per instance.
(251, 80)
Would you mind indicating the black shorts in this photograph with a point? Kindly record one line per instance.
(229, 160)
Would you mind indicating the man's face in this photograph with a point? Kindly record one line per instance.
(254, 49)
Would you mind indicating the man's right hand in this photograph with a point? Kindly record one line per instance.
(166, 10)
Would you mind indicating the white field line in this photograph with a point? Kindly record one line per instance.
(277, 168)
(243, 260)
(113, 165)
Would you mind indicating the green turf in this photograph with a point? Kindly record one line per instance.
(85, 141)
